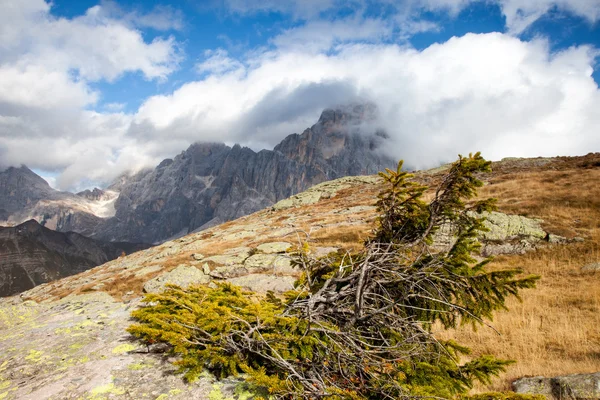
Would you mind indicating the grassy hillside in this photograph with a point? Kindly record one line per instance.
(553, 331)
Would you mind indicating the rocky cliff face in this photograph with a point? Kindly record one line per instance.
(210, 183)
(31, 254)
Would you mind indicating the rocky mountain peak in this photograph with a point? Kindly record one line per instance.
(346, 137)
(29, 226)
(20, 176)
(211, 183)
(352, 114)
(95, 194)
(204, 185)
(19, 187)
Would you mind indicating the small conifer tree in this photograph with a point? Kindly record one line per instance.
(359, 325)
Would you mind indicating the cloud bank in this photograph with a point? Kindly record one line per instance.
(490, 92)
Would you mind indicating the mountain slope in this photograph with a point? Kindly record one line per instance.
(31, 254)
(553, 331)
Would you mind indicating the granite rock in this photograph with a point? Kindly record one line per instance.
(568, 387)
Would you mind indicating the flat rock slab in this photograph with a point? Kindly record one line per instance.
(148, 270)
(239, 235)
(324, 190)
(263, 283)
(77, 348)
(278, 264)
(182, 276)
(323, 251)
(235, 259)
(273, 247)
(229, 271)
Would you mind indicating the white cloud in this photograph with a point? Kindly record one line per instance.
(161, 17)
(489, 92)
(218, 62)
(520, 14)
(115, 107)
(322, 35)
(46, 67)
(94, 45)
(298, 8)
(35, 86)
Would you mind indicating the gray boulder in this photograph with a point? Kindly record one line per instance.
(508, 234)
(591, 267)
(505, 226)
(571, 387)
(275, 263)
(273, 247)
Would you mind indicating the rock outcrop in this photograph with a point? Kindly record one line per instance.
(31, 254)
(182, 276)
(569, 387)
(507, 234)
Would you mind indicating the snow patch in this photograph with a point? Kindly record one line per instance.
(102, 208)
(105, 207)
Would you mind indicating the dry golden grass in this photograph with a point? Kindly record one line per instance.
(555, 330)
(568, 201)
(346, 237)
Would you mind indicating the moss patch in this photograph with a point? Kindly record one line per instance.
(35, 356)
(102, 392)
(124, 348)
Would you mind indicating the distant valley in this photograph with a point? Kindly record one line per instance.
(31, 254)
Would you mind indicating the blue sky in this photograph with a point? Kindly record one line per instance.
(91, 89)
(208, 25)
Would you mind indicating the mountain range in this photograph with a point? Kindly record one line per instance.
(207, 184)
